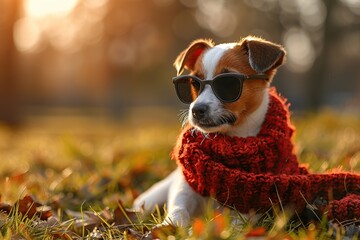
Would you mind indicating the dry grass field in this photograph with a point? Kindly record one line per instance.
(74, 177)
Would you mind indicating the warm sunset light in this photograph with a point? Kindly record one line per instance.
(27, 35)
(43, 8)
(38, 21)
(64, 25)
(93, 113)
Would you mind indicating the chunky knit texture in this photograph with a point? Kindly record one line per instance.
(256, 173)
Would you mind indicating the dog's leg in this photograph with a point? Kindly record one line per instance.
(156, 195)
(183, 202)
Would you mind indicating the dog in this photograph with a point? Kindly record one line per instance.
(228, 92)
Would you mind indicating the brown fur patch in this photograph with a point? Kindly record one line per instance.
(199, 67)
(237, 60)
(188, 57)
(197, 71)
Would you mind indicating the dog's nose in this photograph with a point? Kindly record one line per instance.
(199, 110)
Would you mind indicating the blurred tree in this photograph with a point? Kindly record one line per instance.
(333, 31)
(316, 78)
(9, 98)
(315, 34)
(118, 54)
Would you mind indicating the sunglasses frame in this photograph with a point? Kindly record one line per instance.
(202, 83)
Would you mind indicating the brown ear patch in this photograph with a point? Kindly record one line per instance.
(235, 60)
(187, 58)
(264, 55)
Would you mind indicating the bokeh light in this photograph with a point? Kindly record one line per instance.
(300, 51)
(312, 13)
(354, 5)
(45, 8)
(215, 16)
(118, 54)
(27, 35)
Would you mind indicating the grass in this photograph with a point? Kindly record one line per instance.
(79, 169)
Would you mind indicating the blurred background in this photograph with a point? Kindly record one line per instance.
(87, 106)
(114, 58)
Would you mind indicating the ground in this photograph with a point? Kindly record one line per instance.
(70, 177)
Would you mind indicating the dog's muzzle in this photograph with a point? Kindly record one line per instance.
(200, 111)
(202, 117)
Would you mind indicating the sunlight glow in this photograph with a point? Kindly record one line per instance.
(312, 13)
(44, 8)
(301, 53)
(215, 16)
(354, 5)
(66, 25)
(94, 3)
(27, 35)
(64, 36)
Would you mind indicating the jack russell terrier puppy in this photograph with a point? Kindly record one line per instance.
(228, 92)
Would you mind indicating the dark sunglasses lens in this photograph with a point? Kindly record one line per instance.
(227, 88)
(187, 89)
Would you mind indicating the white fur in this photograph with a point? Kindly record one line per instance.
(253, 122)
(182, 200)
(156, 195)
(212, 56)
(207, 97)
(210, 61)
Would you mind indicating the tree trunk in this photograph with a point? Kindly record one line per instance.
(317, 76)
(9, 98)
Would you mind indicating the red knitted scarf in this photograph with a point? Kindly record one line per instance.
(259, 172)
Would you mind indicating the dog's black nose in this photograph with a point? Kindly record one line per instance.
(199, 110)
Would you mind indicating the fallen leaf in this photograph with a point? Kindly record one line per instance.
(4, 207)
(87, 220)
(49, 223)
(256, 232)
(219, 224)
(198, 226)
(161, 231)
(132, 234)
(18, 177)
(123, 216)
(27, 206)
(44, 212)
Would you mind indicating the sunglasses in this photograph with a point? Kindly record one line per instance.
(227, 87)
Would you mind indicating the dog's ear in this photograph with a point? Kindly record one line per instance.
(188, 57)
(264, 55)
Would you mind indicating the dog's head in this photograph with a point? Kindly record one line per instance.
(225, 105)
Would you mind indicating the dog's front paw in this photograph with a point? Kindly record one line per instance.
(139, 204)
(144, 204)
(178, 217)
